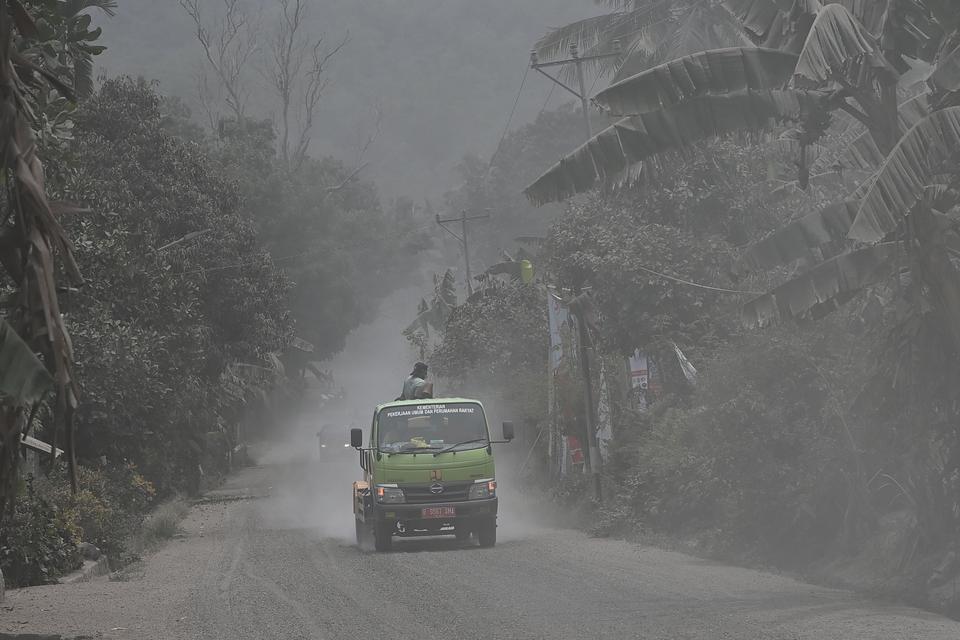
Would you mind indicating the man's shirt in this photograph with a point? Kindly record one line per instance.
(412, 386)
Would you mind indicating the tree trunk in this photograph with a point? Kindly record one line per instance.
(10, 428)
(939, 273)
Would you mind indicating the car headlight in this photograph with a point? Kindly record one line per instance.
(389, 494)
(482, 489)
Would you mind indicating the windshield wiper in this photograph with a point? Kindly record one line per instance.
(414, 450)
(454, 446)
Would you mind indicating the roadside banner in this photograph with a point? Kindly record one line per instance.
(639, 373)
(575, 449)
(689, 371)
(604, 417)
(639, 378)
(564, 456)
(558, 316)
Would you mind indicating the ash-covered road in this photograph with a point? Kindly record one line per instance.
(273, 557)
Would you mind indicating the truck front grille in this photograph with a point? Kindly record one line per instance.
(424, 493)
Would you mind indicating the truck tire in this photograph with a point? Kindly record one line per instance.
(487, 533)
(383, 536)
(462, 533)
(359, 532)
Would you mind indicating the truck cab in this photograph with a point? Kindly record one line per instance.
(428, 469)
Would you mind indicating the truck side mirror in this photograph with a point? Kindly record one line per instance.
(356, 438)
(508, 431)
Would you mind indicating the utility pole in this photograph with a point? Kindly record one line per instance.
(575, 54)
(582, 309)
(581, 306)
(462, 239)
(576, 59)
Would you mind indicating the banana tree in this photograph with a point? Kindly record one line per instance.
(645, 33)
(31, 241)
(435, 313)
(825, 56)
(904, 219)
(830, 61)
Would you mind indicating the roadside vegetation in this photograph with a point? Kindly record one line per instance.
(793, 233)
(166, 288)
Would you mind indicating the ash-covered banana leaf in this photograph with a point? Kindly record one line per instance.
(709, 72)
(23, 378)
(906, 173)
(615, 150)
(823, 288)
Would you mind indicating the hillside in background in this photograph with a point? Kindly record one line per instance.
(446, 73)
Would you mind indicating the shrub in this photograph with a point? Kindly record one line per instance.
(757, 457)
(38, 543)
(107, 509)
(164, 523)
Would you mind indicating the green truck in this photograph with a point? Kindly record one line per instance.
(427, 470)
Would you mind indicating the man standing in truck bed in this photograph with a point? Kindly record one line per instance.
(415, 386)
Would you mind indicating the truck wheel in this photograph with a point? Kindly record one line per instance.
(383, 536)
(487, 533)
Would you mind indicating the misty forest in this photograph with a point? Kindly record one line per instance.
(701, 257)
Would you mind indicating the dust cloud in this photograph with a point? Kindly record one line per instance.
(312, 490)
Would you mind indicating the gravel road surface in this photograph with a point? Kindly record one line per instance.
(271, 555)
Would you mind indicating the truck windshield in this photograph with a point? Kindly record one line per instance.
(431, 427)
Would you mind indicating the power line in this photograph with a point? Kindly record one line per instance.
(698, 285)
(510, 118)
(547, 101)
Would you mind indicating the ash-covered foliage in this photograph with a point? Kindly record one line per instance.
(495, 345)
(178, 284)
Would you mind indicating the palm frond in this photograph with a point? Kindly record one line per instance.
(617, 149)
(823, 288)
(718, 71)
(584, 33)
(906, 172)
(705, 27)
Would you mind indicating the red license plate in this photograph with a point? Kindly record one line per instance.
(438, 512)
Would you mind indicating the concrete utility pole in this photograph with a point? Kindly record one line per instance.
(580, 306)
(575, 55)
(576, 59)
(582, 309)
(462, 239)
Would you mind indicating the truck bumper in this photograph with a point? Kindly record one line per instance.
(411, 520)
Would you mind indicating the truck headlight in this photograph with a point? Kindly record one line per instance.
(389, 494)
(482, 489)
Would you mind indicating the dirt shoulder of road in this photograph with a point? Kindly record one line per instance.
(886, 568)
(132, 602)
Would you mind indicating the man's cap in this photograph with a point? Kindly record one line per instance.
(420, 366)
